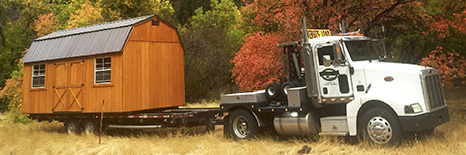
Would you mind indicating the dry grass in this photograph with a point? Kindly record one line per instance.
(48, 138)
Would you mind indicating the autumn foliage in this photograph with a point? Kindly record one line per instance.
(450, 65)
(276, 21)
(258, 62)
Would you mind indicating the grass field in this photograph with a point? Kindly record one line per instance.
(49, 138)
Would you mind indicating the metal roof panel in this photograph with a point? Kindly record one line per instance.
(99, 42)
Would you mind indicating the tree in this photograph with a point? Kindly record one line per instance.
(210, 39)
(280, 20)
(12, 96)
(450, 65)
(88, 14)
(258, 62)
(124, 9)
(46, 24)
(448, 30)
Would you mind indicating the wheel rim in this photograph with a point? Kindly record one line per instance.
(285, 89)
(271, 91)
(379, 130)
(71, 128)
(240, 126)
(89, 128)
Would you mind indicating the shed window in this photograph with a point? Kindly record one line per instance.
(103, 70)
(38, 76)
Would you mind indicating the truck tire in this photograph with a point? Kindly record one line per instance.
(272, 91)
(91, 127)
(242, 125)
(71, 127)
(380, 126)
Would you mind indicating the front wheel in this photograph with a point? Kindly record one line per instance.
(380, 126)
(242, 125)
(71, 127)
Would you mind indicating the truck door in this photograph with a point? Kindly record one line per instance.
(334, 80)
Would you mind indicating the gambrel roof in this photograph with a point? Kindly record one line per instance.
(84, 41)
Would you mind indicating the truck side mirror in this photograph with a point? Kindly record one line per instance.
(338, 56)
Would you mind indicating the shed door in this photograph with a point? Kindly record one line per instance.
(76, 85)
(68, 87)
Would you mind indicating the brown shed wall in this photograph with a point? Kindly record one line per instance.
(69, 86)
(147, 74)
(154, 70)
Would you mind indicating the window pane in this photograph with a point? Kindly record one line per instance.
(99, 67)
(35, 73)
(38, 75)
(103, 77)
(38, 81)
(102, 64)
(41, 80)
(107, 66)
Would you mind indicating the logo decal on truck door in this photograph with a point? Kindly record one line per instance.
(329, 74)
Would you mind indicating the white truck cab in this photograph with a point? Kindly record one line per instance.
(413, 92)
(337, 85)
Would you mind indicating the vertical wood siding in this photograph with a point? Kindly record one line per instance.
(147, 74)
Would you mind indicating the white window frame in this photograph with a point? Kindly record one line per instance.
(37, 76)
(102, 70)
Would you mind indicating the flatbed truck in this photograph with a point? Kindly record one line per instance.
(331, 85)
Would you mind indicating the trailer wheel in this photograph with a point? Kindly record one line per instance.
(71, 127)
(242, 125)
(380, 126)
(91, 127)
(272, 91)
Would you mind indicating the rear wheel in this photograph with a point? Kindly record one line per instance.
(242, 125)
(380, 126)
(71, 127)
(91, 127)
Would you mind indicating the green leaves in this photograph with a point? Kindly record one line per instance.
(210, 39)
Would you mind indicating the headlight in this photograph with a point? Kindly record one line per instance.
(413, 108)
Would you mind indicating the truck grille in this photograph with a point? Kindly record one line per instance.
(434, 91)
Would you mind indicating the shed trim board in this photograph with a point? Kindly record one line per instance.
(147, 68)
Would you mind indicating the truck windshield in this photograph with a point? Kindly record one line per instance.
(361, 50)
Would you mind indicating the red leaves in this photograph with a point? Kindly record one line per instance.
(450, 65)
(258, 62)
(456, 21)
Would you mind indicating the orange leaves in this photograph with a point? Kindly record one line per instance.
(258, 62)
(450, 65)
(47, 23)
(446, 21)
(87, 15)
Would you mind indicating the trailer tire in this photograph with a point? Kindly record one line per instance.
(71, 127)
(380, 126)
(91, 127)
(242, 125)
(272, 91)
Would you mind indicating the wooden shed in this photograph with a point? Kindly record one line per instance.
(134, 64)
